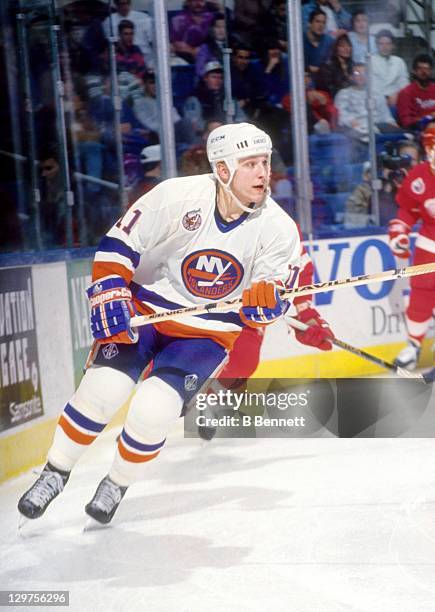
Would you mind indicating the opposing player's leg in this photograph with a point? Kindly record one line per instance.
(105, 387)
(180, 369)
(419, 312)
(242, 362)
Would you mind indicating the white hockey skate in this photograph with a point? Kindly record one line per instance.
(36, 500)
(408, 357)
(106, 500)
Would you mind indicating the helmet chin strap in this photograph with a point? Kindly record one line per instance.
(232, 167)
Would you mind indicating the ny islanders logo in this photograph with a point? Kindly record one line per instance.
(211, 273)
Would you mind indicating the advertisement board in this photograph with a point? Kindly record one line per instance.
(79, 278)
(20, 383)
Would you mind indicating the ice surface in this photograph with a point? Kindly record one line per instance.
(304, 525)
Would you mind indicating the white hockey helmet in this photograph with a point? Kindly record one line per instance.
(229, 143)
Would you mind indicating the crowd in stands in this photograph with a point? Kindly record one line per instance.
(335, 42)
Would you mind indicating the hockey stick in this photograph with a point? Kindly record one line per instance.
(402, 372)
(354, 281)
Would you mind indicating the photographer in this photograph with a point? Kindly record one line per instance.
(394, 164)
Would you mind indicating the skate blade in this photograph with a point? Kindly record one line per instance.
(93, 525)
(30, 528)
(22, 521)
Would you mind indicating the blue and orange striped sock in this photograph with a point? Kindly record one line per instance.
(74, 433)
(131, 455)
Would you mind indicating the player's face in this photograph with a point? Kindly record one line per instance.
(251, 179)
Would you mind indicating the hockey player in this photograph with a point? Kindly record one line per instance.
(188, 241)
(416, 201)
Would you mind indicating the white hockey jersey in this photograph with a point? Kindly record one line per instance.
(174, 249)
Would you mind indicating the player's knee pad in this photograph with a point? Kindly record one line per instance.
(102, 392)
(153, 409)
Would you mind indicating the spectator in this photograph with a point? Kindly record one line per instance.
(258, 89)
(129, 86)
(129, 57)
(134, 134)
(246, 80)
(390, 73)
(321, 112)
(317, 44)
(416, 101)
(321, 107)
(53, 200)
(146, 111)
(78, 57)
(274, 70)
(248, 20)
(336, 73)
(143, 28)
(212, 48)
(351, 104)
(358, 210)
(189, 29)
(151, 172)
(338, 20)
(208, 98)
(84, 36)
(194, 160)
(87, 136)
(362, 41)
(151, 159)
(275, 24)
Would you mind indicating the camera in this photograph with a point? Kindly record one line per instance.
(393, 166)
